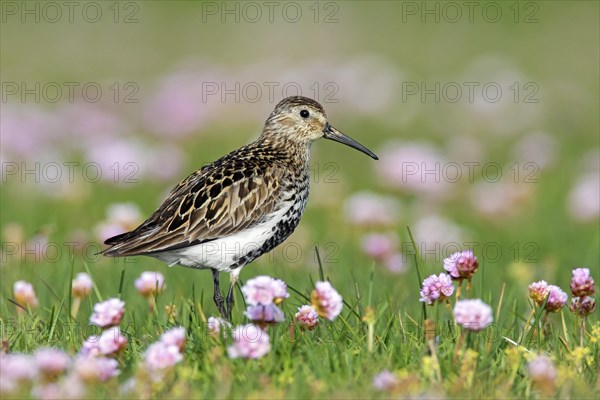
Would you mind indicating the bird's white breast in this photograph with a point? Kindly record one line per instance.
(222, 253)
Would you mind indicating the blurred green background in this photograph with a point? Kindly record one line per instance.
(186, 82)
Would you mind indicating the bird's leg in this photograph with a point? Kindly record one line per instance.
(233, 278)
(218, 297)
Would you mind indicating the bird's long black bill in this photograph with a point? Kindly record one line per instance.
(331, 133)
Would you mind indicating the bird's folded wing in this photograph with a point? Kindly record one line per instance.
(203, 207)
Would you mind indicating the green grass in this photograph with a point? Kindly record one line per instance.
(331, 361)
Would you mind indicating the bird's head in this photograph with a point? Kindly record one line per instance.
(302, 120)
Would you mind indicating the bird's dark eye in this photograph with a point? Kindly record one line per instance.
(304, 114)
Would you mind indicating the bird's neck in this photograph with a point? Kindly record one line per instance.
(289, 151)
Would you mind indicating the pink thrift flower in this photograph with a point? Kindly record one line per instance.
(24, 294)
(584, 198)
(541, 370)
(406, 165)
(307, 317)
(269, 314)
(51, 362)
(582, 283)
(538, 291)
(582, 306)
(111, 342)
(436, 287)
(150, 283)
(556, 299)
(461, 265)
(96, 369)
(378, 246)
(90, 347)
(174, 337)
(82, 285)
(126, 214)
(265, 290)
(16, 370)
(395, 263)
(385, 381)
(473, 315)
(108, 313)
(249, 342)
(69, 388)
(216, 325)
(326, 300)
(367, 208)
(121, 217)
(160, 356)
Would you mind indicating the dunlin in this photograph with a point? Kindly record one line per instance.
(230, 212)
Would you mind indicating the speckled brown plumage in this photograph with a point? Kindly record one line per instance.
(241, 206)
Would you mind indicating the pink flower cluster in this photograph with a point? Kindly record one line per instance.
(175, 337)
(368, 209)
(265, 290)
(307, 317)
(582, 284)
(96, 369)
(582, 289)
(217, 326)
(24, 294)
(82, 285)
(250, 341)
(150, 283)
(108, 313)
(95, 362)
(385, 381)
(110, 343)
(436, 288)
(161, 356)
(473, 315)
(326, 300)
(541, 370)
(461, 265)
(262, 294)
(540, 291)
(53, 373)
(383, 248)
(269, 314)
(51, 362)
(121, 217)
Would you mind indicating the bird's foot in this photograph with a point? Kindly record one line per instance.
(230, 303)
(220, 303)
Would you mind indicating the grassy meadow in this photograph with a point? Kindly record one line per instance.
(487, 130)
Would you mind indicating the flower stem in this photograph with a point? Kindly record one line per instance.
(582, 331)
(75, 307)
(459, 344)
(152, 303)
(371, 334)
(527, 324)
(458, 289)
